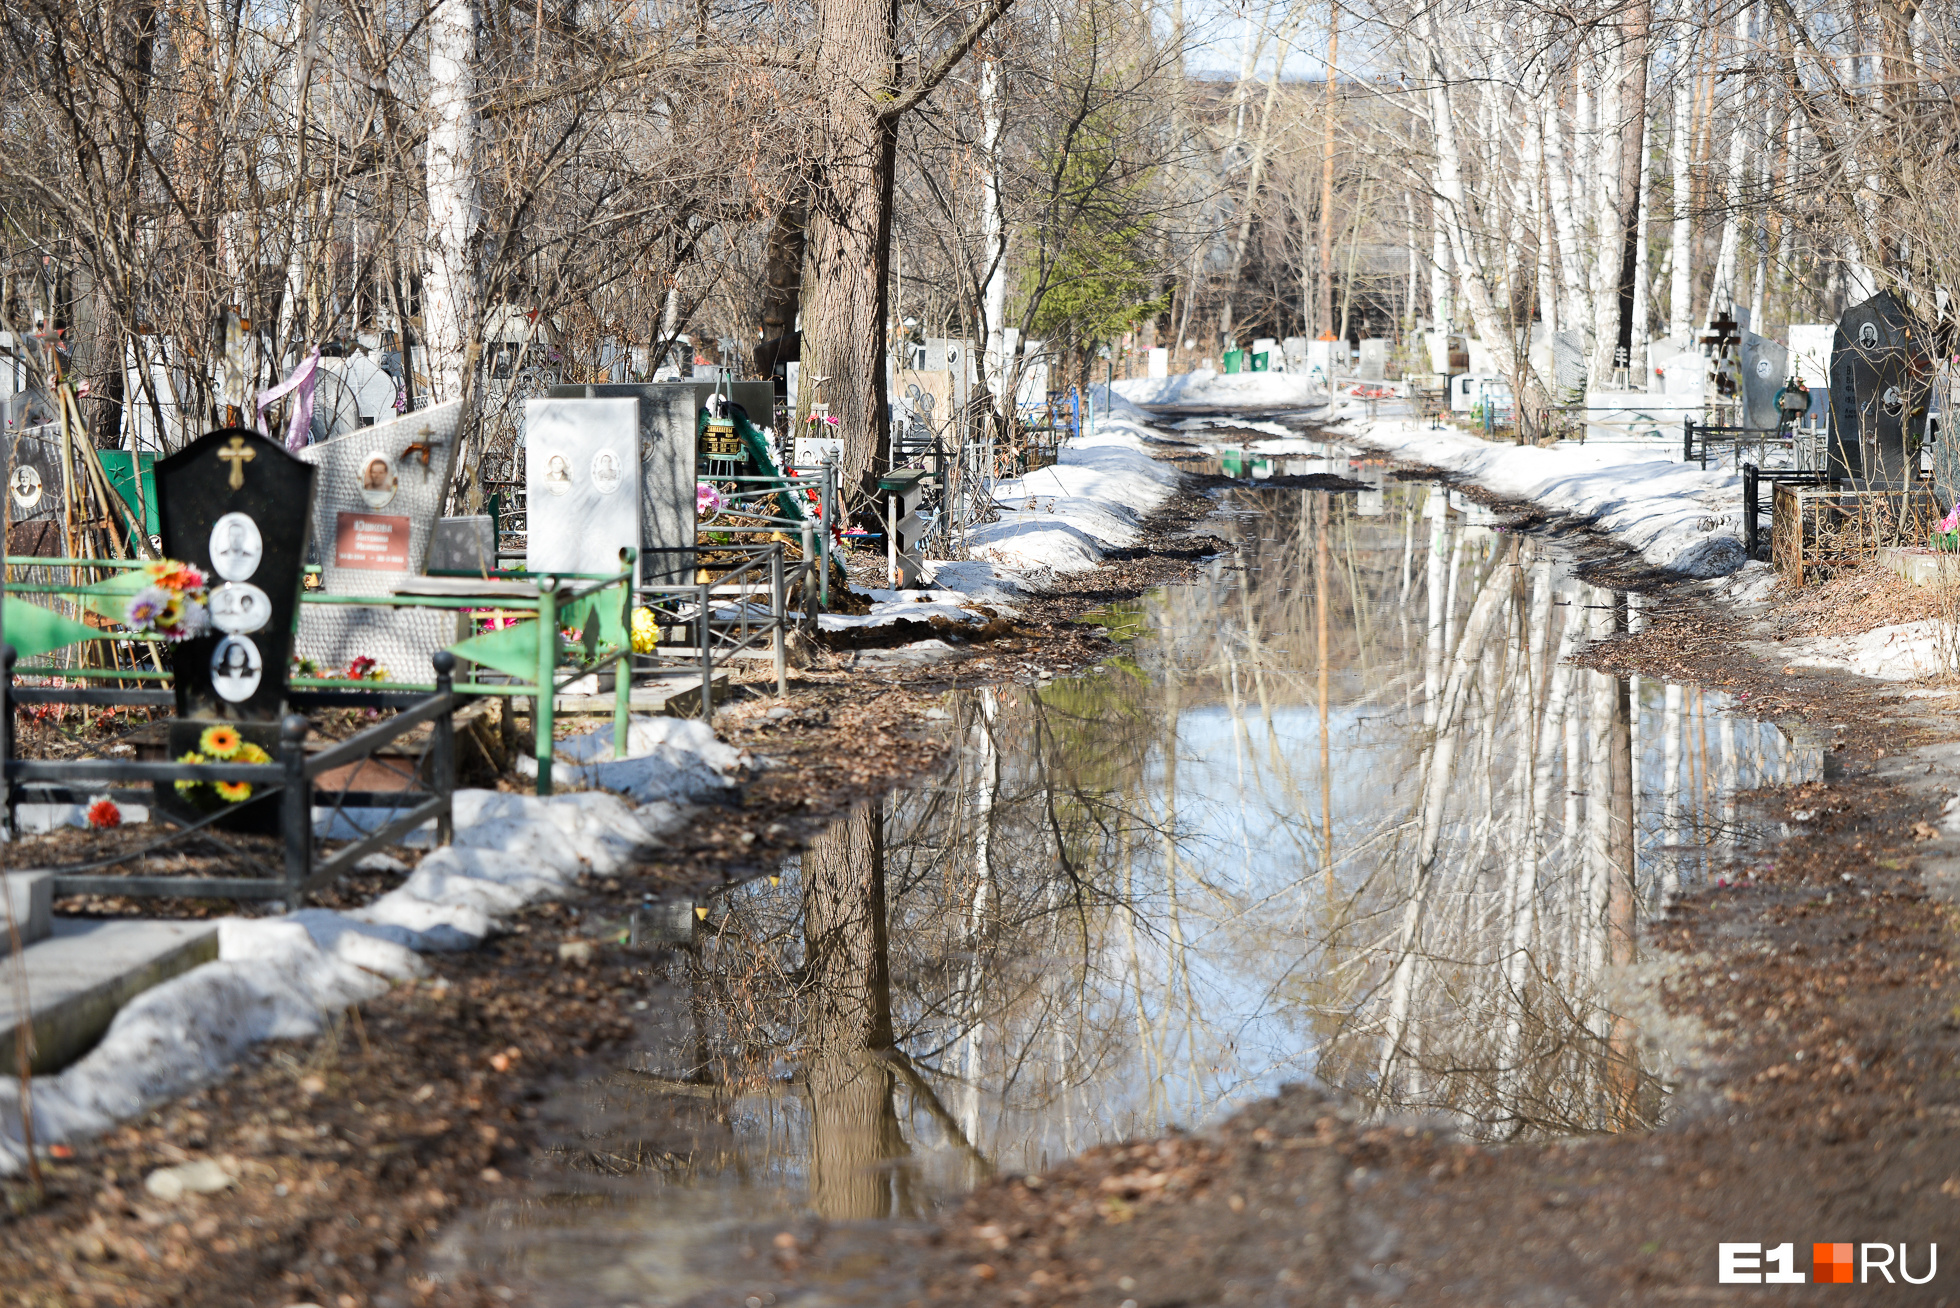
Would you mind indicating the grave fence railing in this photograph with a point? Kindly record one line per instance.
(311, 810)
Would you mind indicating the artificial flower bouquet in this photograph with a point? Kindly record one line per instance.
(170, 603)
(1946, 532)
(221, 743)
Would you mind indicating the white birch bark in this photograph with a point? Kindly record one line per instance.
(992, 241)
(1671, 795)
(451, 307)
(1637, 369)
(1723, 290)
(1681, 266)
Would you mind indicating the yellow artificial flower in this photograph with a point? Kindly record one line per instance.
(233, 791)
(221, 741)
(186, 787)
(250, 753)
(646, 635)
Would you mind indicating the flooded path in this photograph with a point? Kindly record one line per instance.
(1342, 811)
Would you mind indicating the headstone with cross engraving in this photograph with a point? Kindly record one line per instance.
(1722, 337)
(381, 491)
(1881, 370)
(232, 503)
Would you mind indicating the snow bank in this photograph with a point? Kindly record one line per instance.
(668, 760)
(1064, 518)
(1678, 517)
(1203, 386)
(1909, 651)
(279, 978)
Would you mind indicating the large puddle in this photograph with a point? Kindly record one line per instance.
(1342, 810)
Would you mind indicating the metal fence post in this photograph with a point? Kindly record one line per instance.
(829, 526)
(443, 736)
(809, 575)
(623, 669)
(779, 614)
(707, 655)
(541, 746)
(295, 807)
(7, 657)
(1687, 440)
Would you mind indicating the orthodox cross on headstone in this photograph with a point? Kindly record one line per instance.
(237, 453)
(1723, 335)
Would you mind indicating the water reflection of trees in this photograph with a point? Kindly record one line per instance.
(1345, 809)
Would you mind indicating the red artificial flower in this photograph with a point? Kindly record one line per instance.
(103, 814)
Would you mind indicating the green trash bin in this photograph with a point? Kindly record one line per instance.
(1235, 361)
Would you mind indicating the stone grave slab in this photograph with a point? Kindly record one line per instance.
(1880, 365)
(234, 504)
(580, 488)
(1765, 367)
(463, 544)
(381, 492)
(669, 422)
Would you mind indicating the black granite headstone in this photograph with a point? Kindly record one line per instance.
(1881, 371)
(237, 506)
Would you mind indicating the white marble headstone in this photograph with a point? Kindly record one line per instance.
(582, 488)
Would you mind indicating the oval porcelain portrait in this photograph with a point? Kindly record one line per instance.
(236, 668)
(236, 546)
(239, 608)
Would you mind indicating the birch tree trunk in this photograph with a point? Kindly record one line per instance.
(452, 309)
(1681, 269)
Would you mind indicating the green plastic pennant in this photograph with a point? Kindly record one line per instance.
(512, 649)
(33, 630)
(110, 598)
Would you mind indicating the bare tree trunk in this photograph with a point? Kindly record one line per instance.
(1327, 126)
(1633, 168)
(845, 311)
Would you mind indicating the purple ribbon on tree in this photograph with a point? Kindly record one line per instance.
(300, 429)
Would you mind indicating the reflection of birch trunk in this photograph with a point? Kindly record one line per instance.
(854, 1128)
(1560, 717)
(1521, 892)
(1433, 652)
(972, 1042)
(1726, 783)
(1671, 795)
(1606, 720)
(1435, 798)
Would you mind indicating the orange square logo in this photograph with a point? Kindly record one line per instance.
(1830, 1264)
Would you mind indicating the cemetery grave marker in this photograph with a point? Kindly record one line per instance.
(380, 493)
(229, 504)
(1880, 370)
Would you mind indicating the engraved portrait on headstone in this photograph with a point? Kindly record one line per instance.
(605, 472)
(236, 668)
(557, 475)
(236, 546)
(26, 486)
(377, 480)
(239, 608)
